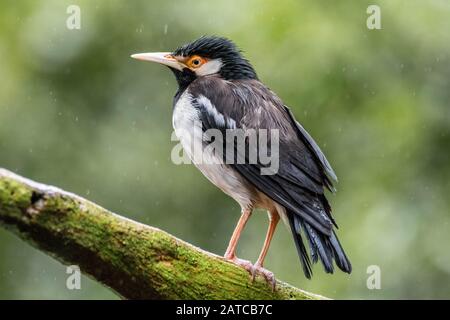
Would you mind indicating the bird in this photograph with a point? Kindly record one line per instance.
(218, 89)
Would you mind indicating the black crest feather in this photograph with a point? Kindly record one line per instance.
(235, 66)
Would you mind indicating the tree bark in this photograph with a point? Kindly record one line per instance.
(134, 260)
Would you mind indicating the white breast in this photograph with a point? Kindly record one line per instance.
(187, 124)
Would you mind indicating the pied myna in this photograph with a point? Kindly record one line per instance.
(218, 89)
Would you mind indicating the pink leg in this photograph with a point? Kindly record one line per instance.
(230, 254)
(258, 267)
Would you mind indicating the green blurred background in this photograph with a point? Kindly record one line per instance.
(77, 112)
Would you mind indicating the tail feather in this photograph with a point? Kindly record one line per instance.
(319, 247)
(323, 247)
(301, 249)
(339, 255)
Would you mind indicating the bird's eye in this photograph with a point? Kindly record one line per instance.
(195, 62)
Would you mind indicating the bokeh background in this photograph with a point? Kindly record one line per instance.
(77, 112)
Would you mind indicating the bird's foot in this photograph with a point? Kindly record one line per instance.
(266, 274)
(247, 265)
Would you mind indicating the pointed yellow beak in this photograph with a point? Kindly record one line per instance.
(164, 58)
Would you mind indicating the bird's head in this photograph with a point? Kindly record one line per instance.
(202, 57)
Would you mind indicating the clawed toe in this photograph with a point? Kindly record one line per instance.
(267, 275)
(254, 269)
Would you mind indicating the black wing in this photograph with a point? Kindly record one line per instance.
(303, 172)
(303, 169)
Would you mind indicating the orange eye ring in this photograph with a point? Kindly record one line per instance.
(195, 62)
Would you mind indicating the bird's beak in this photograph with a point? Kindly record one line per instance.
(165, 58)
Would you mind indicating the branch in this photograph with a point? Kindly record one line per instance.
(134, 260)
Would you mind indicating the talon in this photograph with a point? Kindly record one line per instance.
(266, 274)
(253, 273)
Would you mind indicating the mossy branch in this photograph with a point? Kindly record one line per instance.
(134, 260)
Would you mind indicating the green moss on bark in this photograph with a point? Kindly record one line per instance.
(134, 260)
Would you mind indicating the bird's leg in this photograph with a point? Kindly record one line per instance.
(274, 217)
(230, 254)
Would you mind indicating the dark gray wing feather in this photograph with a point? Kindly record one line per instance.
(303, 168)
(308, 140)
